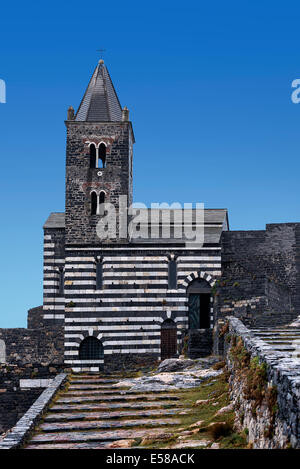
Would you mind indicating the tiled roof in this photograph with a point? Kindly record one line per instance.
(215, 221)
(100, 102)
(55, 220)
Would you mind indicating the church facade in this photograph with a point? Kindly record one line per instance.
(128, 295)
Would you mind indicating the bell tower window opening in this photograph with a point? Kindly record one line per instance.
(92, 156)
(94, 203)
(101, 155)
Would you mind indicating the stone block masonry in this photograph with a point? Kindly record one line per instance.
(33, 346)
(15, 399)
(24, 426)
(260, 275)
(265, 389)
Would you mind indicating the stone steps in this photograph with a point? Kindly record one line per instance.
(89, 445)
(90, 387)
(93, 381)
(122, 405)
(101, 398)
(56, 417)
(91, 414)
(99, 424)
(100, 392)
(90, 436)
(281, 339)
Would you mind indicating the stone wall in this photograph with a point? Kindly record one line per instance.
(260, 275)
(115, 179)
(199, 342)
(15, 401)
(35, 318)
(33, 346)
(264, 387)
(24, 427)
(119, 362)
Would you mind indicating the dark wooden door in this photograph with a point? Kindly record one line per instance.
(168, 341)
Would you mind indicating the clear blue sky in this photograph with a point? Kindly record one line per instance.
(208, 85)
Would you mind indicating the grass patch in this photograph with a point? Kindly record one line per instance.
(222, 431)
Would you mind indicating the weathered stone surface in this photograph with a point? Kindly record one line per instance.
(89, 445)
(223, 410)
(197, 424)
(22, 429)
(84, 436)
(150, 437)
(170, 381)
(121, 444)
(191, 444)
(174, 364)
(202, 401)
(267, 430)
(215, 446)
(98, 424)
(122, 405)
(52, 417)
(119, 397)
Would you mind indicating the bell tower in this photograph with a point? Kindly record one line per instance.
(98, 158)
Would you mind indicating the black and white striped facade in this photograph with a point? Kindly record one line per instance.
(126, 314)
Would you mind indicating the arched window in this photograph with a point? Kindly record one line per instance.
(101, 155)
(172, 274)
(91, 349)
(94, 203)
(61, 282)
(92, 156)
(102, 197)
(101, 202)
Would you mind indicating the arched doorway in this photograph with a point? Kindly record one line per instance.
(91, 349)
(168, 339)
(199, 295)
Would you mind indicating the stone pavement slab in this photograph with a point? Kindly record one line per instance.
(98, 424)
(109, 415)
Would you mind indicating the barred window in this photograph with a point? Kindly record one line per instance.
(91, 349)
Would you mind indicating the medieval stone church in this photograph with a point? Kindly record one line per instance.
(131, 298)
(122, 297)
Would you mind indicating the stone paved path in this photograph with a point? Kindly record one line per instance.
(283, 339)
(91, 413)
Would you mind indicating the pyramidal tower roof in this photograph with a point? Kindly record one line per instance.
(100, 102)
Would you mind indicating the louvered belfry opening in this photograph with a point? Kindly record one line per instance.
(91, 349)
